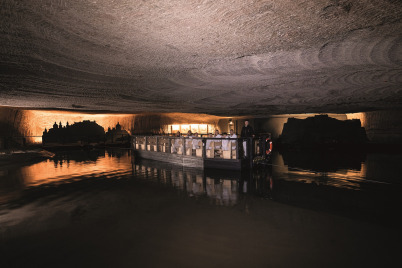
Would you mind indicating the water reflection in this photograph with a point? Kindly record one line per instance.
(324, 161)
(347, 170)
(221, 189)
(365, 188)
(65, 167)
(343, 191)
(68, 166)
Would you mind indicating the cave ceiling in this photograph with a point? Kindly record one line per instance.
(231, 57)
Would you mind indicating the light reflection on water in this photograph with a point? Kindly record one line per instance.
(287, 179)
(222, 191)
(352, 173)
(343, 178)
(62, 170)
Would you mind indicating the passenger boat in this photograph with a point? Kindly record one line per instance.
(198, 152)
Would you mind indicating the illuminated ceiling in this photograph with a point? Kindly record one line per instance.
(231, 57)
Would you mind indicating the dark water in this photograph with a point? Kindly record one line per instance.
(105, 208)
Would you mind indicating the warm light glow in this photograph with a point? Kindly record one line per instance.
(194, 128)
(360, 116)
(36, 139)
(203, 128)
(53, 171)
(36, 121)
(184, 128)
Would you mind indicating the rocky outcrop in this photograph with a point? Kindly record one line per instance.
(322, 131)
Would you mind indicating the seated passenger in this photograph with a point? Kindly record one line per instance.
(176, 142)
(233, 135)
(225, 142)
(208, 145)
(196, 141)
(217, 135)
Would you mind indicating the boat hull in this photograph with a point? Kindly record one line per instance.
(192, 161)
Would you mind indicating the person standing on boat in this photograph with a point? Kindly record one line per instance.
(246, 132)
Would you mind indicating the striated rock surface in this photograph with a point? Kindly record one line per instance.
(230, 57)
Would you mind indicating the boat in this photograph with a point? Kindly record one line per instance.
(197, 152)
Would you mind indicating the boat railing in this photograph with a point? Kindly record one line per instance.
(203, 147)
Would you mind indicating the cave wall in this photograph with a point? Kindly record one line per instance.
(12, 122)
(237, 124)
(156, 123)
(381, 126)
(274, 124)
(13, 127)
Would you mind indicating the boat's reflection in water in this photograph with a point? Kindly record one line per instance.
(368, 186)
(220, 187)
(353, 187)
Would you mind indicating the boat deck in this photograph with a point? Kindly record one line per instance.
(216, 153)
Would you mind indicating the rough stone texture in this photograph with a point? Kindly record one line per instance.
(381, 126)
(230, 57)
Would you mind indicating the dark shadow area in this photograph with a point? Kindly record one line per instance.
(80, 155)
(320, 132)
(11, 137)
(85, 132)
(324, 160)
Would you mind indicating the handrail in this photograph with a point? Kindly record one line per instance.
(239, 149)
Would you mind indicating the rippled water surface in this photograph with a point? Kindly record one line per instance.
(297, 204)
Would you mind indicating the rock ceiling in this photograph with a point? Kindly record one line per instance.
(222, 57)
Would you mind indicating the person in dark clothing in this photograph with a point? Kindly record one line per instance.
(246, 132)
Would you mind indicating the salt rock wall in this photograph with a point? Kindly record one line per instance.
(383, 127)
(13, 127)
(274, 124)
(12, 122)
